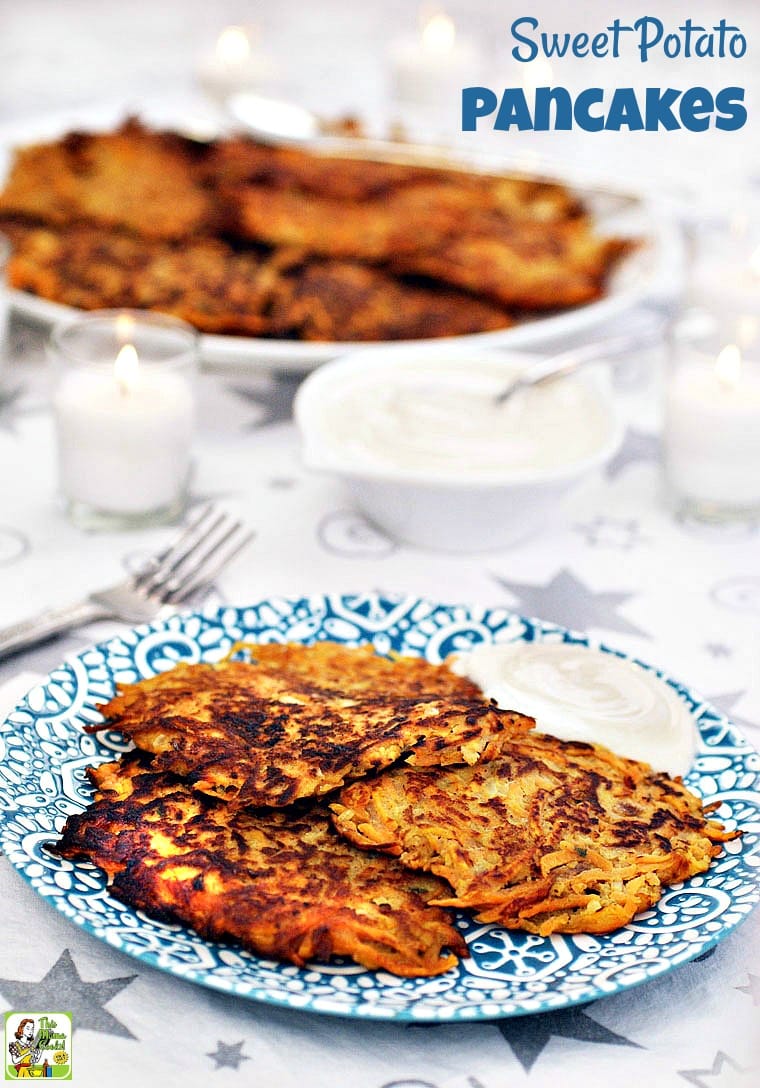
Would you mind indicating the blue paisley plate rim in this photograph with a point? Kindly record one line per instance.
(315, 978)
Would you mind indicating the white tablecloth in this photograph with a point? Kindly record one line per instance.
(614, 561)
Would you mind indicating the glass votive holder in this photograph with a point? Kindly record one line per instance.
(724, 266)
(712, 418)
(124, 409)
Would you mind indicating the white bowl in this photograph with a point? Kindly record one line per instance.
(462, 510)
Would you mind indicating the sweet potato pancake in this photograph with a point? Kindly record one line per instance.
(283, 885)
(344, 300)
(524, 267)
(241, 238)
(332, 666)
(553, 836)
(458, 237)
(238, 161)
(130, 179)
(292, 669)
(204, 282)
(413, 219)
(265, 736)
(525, 244)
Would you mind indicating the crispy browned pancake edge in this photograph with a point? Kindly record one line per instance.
(552, 836)
(272, 734)
(281, 884)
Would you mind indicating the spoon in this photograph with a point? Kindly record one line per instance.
(647, 332)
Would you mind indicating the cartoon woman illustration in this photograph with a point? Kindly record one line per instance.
(24, 1052)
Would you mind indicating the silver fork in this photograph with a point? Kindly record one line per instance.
(210, 540)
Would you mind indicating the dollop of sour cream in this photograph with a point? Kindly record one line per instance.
(440, 416)
(577, 693)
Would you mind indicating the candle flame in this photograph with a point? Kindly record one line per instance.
(126, 368)
(747, 329)
(738, 225)
(754, 262)
(728, 366)
(125, 326)
(233, 45)
(439, 33)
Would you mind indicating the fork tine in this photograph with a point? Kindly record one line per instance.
(154, 577)
(208, 567)
(153, 562)
(200, 554)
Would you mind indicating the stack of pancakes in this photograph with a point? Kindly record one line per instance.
(318, 801)
(237, 237)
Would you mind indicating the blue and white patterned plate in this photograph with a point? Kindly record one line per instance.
(44, 753)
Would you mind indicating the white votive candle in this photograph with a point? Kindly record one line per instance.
(712, 432)
(431, 68)
(236, 64)
(124, 419)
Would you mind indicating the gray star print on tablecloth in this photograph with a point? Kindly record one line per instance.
(725, 704)
(602, 532)
(9, 407)
(63, 988)
(27, 342)
(528, 1035)
(228, 1055)
(276, 401)
(752, 988)
(568, 601)
(698, 1077)
(637, 446)
(718, 649)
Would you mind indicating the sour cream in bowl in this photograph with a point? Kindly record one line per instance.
(433, 459)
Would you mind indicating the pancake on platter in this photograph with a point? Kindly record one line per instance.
(344, 300)
(521, 263)
(553, 836)
(240, 161)
(203, 281)
(130, 179)
(523, 267)
(271, 735)
(282, 884)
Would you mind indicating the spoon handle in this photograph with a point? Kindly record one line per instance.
(567, 362)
